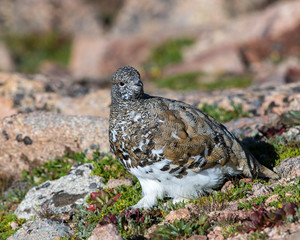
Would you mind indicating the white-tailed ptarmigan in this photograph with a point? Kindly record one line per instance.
(173, 148)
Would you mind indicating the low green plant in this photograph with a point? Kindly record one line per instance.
(261, 218)
(228, 81)
(5, 225)
(224, 115)
(28, 51)
(185, 81)
(218, 200)
(283, 197)
(258, 235)
(53, 169)
(109, 168)
(169, 52)
(288, 150)
(194, 81)
(182, 229)
(230, 229)
(112, 206)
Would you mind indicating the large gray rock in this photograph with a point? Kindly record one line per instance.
(29, 140)
(60, 196)
(42, 229)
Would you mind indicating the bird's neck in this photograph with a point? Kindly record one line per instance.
(118, 106)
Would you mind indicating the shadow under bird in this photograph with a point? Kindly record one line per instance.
(173, 148)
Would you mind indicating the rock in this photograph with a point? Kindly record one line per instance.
(193, 209)
(283, 182)
(20, 94)
(97, 57)
(42, 229)
(178, 214)
(236, 7)
(294, 236)
(260, 189)
(227, 186)
(54, 15)
(19, 90)
(106, 232)
(289, 168)
(220, 237)
(94, 104)
(197, 237)
(228, 215)
(6, 62)
(152, 230)
(113, 183)
(28, 140)
(161, 15)
(275, 30)
(6, 107)
(14, 225)
(272, 198)
(218, 230)
(61, 196)
(86, 55)
(221, 59)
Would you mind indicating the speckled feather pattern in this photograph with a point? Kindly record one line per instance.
(173, 148)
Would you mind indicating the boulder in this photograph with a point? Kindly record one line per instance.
(61, 196)
(42, 229)
(29, 140)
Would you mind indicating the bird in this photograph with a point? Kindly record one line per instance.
(173, 148)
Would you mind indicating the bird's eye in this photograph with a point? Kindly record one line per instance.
(122, 84)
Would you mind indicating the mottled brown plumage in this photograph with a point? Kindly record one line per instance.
(173, 148)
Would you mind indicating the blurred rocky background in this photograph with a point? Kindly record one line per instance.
(237, 60)
(239, 57)
(85, 41)
(242, 57)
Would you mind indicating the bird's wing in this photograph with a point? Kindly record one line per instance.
(191, 138)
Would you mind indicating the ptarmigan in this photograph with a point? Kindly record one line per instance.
(173, 148)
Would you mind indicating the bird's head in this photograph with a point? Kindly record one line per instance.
(126, 85)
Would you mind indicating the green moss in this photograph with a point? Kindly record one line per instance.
(228, 81)
(224, 115)
(53, 169)
(182, 229)
(5, 225)
(169, 52)
(217, 200)
(194, 81)
(29, 50)
(231, 230)
(259, 235)
(291, 149)
(109, 168)
(281, 191)
(87, 220)
(186, 81)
